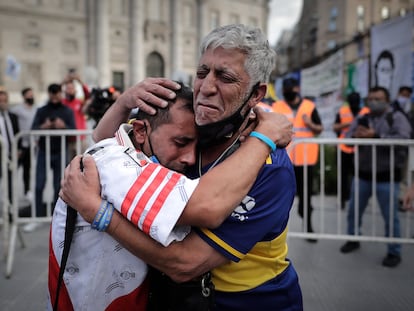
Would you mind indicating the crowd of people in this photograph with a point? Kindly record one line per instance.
(181, 219)
(67, 107)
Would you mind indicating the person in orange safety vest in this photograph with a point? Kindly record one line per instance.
(306, 124)
(346, 114)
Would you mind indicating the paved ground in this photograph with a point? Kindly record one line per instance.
(330, 281)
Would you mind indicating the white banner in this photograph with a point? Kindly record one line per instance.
(361, 77)
(391, 59)
(323, 78)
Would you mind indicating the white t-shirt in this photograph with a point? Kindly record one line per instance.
(100, 274)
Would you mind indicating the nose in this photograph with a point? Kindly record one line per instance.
(208, 84)
(189, 155)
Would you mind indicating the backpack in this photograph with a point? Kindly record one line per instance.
(410, 119)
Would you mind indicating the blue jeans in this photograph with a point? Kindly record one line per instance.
(55, 164)
(383, 192)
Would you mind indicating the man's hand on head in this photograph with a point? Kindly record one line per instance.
(81, 189)
(148, 93)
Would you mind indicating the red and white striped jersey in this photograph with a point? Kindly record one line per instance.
(100, 274)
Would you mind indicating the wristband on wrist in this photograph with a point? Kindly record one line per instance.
(264, 139)
(103, 217)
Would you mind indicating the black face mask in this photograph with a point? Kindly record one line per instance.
(218, 132)
(70, 97)
(29, 101)
(289, 95)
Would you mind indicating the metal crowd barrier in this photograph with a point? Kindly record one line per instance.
(12, 227)
(329, 220)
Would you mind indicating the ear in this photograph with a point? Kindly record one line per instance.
(139, 131)
(259, 94)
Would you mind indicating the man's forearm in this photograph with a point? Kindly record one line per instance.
(224, 187)
(182, 261)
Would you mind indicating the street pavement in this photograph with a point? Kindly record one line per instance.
(330, 280)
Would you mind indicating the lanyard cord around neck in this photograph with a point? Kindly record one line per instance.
(218, 160)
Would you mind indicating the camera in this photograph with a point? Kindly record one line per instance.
(101, 100)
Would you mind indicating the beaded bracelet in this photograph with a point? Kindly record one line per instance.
(264, 139)
(103, 217)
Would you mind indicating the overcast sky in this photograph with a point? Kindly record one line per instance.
(283, 15)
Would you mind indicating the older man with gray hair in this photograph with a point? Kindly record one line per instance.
(247, 253)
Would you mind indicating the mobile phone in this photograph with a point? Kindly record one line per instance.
(363, 122)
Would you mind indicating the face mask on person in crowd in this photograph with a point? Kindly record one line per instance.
(70, 97)
(377, 107)
(289, 95)
(404, 103)
(29, 101)
(218, 132)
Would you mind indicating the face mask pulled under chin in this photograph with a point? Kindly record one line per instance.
(215, 133)
(218, 132)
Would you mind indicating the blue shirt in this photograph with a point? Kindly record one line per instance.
(253, 237)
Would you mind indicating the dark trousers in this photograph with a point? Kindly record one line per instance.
(25, 162)
(9, 180)
(299, 173)
(55, 164)
(347, 172)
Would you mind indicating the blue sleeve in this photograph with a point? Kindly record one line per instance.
(262, 215)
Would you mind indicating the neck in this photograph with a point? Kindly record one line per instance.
(211, 154)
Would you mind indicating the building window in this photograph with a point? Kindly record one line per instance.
(331, 44)
(332, 19)
(32, 42)
(118, 79)
(385, 12)
(155, 65)
(360, 18)
(214, 19)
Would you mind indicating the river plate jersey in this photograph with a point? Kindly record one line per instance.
(100, 274)
(253, 238)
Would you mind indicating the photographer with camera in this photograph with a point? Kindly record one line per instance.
(53, 116)
(100, 101)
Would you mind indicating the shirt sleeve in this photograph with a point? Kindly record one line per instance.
(151, 196)
(315, 117)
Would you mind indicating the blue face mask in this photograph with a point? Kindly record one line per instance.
(154, 159)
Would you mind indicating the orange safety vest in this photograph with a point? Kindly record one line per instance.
(346, 116)
(300, 154)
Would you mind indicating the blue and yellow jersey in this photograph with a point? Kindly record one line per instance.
(253, 238)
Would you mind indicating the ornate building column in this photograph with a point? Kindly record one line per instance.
(103, 43)
(137, 66)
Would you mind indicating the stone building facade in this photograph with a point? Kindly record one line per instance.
(110, 42)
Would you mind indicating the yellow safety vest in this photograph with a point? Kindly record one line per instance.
(300, 154)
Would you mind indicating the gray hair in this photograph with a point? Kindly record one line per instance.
(260, 57)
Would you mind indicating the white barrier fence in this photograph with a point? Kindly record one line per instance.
(329, 220)
(12, 224)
